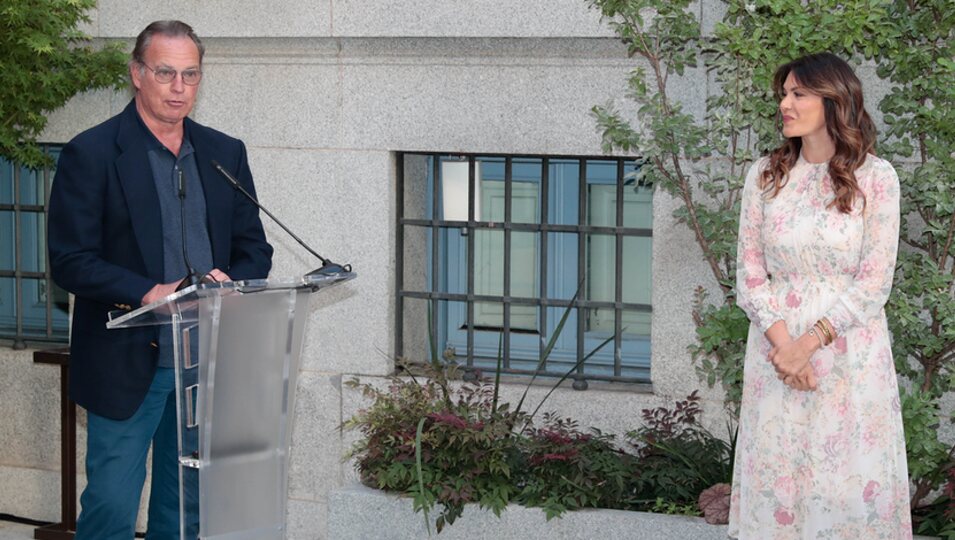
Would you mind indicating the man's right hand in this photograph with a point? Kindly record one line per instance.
(160, 291)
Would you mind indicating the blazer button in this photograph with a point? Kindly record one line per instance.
(153, 344)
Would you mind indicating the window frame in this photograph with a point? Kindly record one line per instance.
(30, 319)
(544, 300)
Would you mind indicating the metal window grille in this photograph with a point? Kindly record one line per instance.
(32, 307)
(434, 225)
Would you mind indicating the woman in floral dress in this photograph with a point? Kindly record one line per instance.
(820, 452)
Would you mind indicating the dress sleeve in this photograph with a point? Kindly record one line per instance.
(754, 286)
(872, 281)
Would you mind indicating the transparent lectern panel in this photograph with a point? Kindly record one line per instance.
(237, 348)
(246, 381)
(186, 345)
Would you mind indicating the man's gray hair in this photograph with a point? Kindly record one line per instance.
(165, 28)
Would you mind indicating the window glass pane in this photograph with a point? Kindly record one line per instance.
(526, 190)
(636, 323)
(601, 193)
(31, 186)
(562, 280)
(489, 316)
(54, 152)
(34, 302)
(601, 267)
(453, 251)
(637, 201)
(32, 242)
(637, 269)
(564, 338)
(564, 192)
(488, 262)
(525, 278)
(7, 228)
(525, 348)
(34, 309)
(6, 182)
(454, 178)
(636, 371)
(453, 337)
(34, 297)
(489, 277)
(8, 306)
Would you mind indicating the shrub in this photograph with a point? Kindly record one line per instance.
(448, 445)
(567, 469)
(467, 448)
(679, 458)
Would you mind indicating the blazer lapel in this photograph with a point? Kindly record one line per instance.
(142, 201)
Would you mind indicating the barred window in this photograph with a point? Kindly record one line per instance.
(32, 307)
(493, 250)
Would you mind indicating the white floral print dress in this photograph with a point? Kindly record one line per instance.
(828, 464)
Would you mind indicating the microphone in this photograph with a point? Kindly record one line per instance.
(192, 277)
(328, 268)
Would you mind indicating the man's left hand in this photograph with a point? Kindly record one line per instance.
(218, 275)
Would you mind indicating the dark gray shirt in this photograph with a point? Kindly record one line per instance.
(166, 168)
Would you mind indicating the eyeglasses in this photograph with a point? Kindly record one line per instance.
(164, 75)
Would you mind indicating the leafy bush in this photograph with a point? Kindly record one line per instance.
(567, 469)
(938, 518)
(467, 446)
(450, 444)
(679, 458)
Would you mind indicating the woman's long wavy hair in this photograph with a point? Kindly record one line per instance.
(847, 123)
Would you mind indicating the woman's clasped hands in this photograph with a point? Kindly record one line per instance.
(791, 360)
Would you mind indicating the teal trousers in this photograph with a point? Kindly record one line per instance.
(116, 471)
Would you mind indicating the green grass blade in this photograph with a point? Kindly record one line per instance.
(420, 473)
(550, 345)
(569, 372)
(497, 372)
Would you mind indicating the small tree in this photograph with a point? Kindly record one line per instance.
(45, 62)
(703, 162)
(920, 117)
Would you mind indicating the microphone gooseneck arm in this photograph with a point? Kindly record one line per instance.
(328, 267)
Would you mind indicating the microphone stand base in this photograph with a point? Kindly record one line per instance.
(330, 269)
(194, 279)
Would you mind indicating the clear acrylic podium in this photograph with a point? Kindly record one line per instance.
(236, 347)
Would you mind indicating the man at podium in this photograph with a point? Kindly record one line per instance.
(135, 206)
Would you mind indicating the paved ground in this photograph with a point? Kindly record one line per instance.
(15, 531)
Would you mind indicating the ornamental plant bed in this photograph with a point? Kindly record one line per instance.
(357, 512)
(446, 446)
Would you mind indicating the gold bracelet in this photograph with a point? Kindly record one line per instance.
(812, 332)
(825, 333)
(829, 329)
(826, 330)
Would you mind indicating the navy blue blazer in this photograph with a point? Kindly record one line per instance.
(105, 243)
